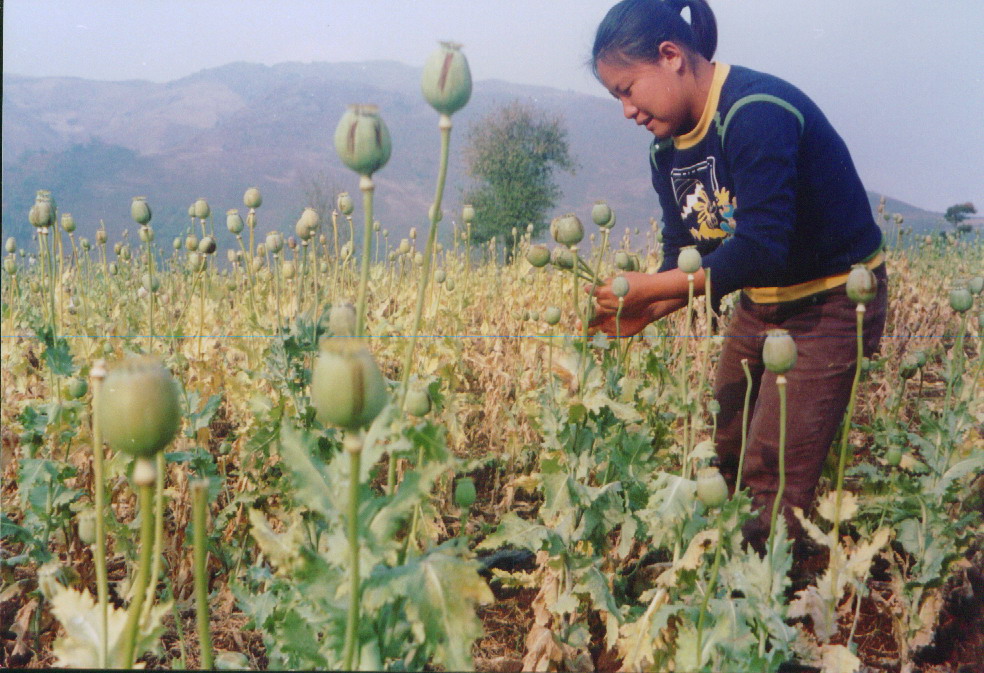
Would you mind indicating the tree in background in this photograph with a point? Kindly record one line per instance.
(957, 213)
(512, 155)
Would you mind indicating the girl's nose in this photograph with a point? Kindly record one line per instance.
(629, 110)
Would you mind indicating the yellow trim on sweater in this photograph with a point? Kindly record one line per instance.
(773, 295)
(693, 137)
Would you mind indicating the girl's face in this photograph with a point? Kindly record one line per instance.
(654, 95)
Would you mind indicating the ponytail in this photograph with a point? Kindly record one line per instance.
(634, 29)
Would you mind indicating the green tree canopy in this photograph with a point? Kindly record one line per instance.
(512, 155)
(957, 213)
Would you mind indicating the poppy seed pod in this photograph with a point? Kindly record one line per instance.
(274, 242)
(960, 299)
(68, 222)
(567, 229)
(150, 283)
(202, 210)
(623, 261)
(232, 255)
(10, 266)
(139, 410)
(711, 487)
(893, 456)
(101, 236)
(362, 140)
(347, 388)
(307, 224)
(538, 256)
(689, 260)
(41, 214)
(440, 276)
(418, 402)
(862, 286)
(345, 204)
(975, 284)
(84, 244)
(464, 492)
(146, 233)
(468, 213)
(562, 258)
(191, 243)
(10, 245)
(287, 269)
(620, 286)
(779, 351)
(196, 262)
(551, 315)
(446, 82)
(206, 245)
(234, 221)
(252, 198)
(140, 210)
(602, 215)
(177, 243)
(86, 522)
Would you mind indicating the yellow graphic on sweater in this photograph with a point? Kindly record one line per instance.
(715, 217)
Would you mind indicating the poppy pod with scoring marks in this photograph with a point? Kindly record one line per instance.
(446, 82)
(362, 140)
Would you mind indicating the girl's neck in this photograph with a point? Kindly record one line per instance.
(703, 77)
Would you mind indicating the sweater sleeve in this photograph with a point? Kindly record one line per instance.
(761, 145)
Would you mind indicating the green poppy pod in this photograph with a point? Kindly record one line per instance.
(345, 204)
(689, 260)
(622, 261)
(893, 456)
(551, 315)
(449, 284)
(75, 388)
(274, 242)
(196, 262)
(909, 366)
(287, 269)
(113, 269)
(464, 492)
(202, 210)
(779, 351)
(562, 258)
(362, 140)
(234, 221)
(140, 210)
(538, 256)
(151, 284)
(567, 229)
(85, 244)
(961, 299)
(862, 286)
(125, 253)
(252, 198)
(440, 276)
(146, 233)
(468, 212)
(307, 224)
(177, 243)
(711, 487)
(40, 214)
(10, 245)
(347, 388)
(191, 243)
(418, 402)
(139, 411)
(404, 246)
(975, 284)
(446, 82)
(620, 286)
(101, 236)
(10, 266)
(207, 245)
(602, 215)
(68, 222)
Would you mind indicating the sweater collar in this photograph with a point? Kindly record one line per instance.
(688, 140)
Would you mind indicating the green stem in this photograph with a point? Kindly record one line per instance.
(97, 374)
(199, 491)
(781, 384)
(366, 186)
(744, 422)
(353, 445)
(146, 492)
(155, 572)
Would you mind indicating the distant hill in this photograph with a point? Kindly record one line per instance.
(217, 132)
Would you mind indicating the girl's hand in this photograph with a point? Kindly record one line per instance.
(638, 299)
(627, 325)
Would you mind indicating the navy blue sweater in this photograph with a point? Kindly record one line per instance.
(763, 186)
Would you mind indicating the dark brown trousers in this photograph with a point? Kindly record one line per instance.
(818, 387)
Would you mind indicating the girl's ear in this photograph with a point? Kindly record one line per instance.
(673, 56)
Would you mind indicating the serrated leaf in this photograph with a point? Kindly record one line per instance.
(691, 559)
(828, 505)
(280, 548)
(517, 532)
(974, 464)
(311, 477)
(838, 659)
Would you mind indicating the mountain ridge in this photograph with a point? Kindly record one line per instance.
(216, 132)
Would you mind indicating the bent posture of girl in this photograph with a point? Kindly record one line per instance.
(749, 170)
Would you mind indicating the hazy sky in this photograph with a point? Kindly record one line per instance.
(902, 80)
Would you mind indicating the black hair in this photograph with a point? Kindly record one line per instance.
(634, 29)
